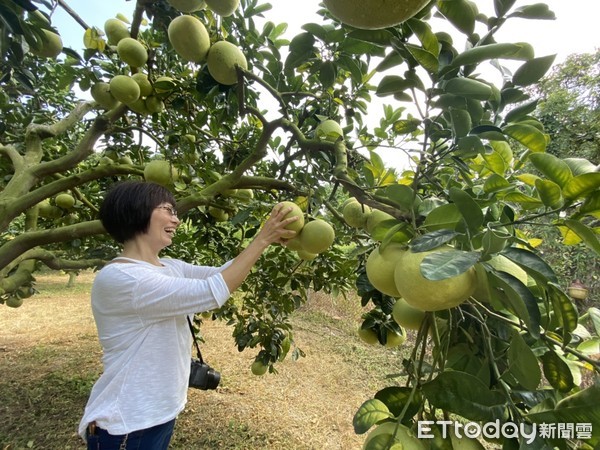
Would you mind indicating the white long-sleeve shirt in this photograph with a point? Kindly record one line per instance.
(140, 312)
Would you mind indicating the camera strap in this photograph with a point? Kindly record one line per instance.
(195, 339)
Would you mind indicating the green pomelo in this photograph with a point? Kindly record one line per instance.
(50, 47)
(374, 218)
(394, 339)
(368, 335)
(298, 224)
(163, 85)
(317, 236)
(13, 301)
(189, 38)
(219, 214)
(223, 8)
(132, 52)
(356, 214)
(428, 295)
(306, 256)
(124, 88)
(294, 244)
(158, 171)
(64, 201)
(402, 435)
(258, 368)
(139, 106)
(187, 6)
(145, 86)
(222, 59)
(329, 130)
(48, 211)
(155, 104)
(100, 92)
(374, 14)
(380, 268)
(244, 195)
(115, 30)
(406, 316)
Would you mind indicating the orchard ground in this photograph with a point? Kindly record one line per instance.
(50, 357)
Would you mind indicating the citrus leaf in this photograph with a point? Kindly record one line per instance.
(443, 217)
(579, 166)
(581, 185)
(532, 264)
(428, 39)
(552, 167)
(392, 84)
(521, 111)
(461, 122)
(425, 58)
(523, 364)
(482, 53)
(396, 398)
(518, 299)
(594, 315)
(468, 208)
(432, 240)
(369, 413)
(585, 233)
(501, 7)
(464, 394)
(550, 193)
(442, 265)
(557, 372)
(539, 11)
(460, 13)
(526, 201)
(528, 135)
(496, 183)
(468, 87)
(564, 309)
(533, 70)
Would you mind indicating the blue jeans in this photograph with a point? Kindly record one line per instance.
(153, 438)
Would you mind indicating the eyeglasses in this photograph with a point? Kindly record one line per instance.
(171, 210)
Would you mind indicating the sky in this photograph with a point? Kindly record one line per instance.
(575, 29)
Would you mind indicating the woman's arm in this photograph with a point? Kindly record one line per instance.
(272, 232)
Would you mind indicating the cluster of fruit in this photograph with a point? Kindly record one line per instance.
(312, 237)
(190, 40)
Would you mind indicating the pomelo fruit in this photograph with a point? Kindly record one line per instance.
(298, 224)
(380, 268)
(317, 236)
(222, 59)
(355, 214)
(406, 316)
(394, 339)
(124, 88)
(429, 295)
(329, 130)
(158, 171)
(50, 47)
(223, 8)
(189, 38)
(258, 368)
(64, 201)
(132, 52)
(374, 14)
(294, 243)
(368, 335)
(145, 86)
(115, 30)
(403, 436)
(500, 263)
(100, 92)
(155, 104)
(374, 218)
(219, 214)
(306, 256)
(139, 106)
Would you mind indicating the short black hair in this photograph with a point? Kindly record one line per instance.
(128, 205)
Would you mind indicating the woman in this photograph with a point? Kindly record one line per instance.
(140, 304)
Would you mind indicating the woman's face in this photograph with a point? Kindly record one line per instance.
(163, 223)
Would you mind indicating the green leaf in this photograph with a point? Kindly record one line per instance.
(523, 364)
(427, 38)
(557, 371)
(396, 398)
(468, 87)
(381, 38)
(564, 309)
(426, 59)
(460, 13)
(552, 167)
(591, 204)
(468, 208)
(496, 183)
(585, 233)
(521, 111)
(369, 413)
(581, 185)
(528, 135)
(579, 408)
(539, 11)
(465, 395)
(442, 265)
(392, 84)
(550, 193)
(432, 240)
(327, 74)
(518, 299)
(531, 263)
(402, 195)
(406, 126)
(532, 71)
(526, 201)
(501, 7)
(579, 166)
(461, 122)
(444, 216)
(482, 53)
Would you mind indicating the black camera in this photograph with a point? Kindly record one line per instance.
(202, 376)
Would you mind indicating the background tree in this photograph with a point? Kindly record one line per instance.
(479, 174)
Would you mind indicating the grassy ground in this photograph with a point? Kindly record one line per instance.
(49, 359)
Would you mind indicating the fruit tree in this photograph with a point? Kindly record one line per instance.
(210, 99)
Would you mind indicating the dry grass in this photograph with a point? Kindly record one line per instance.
(49, 359)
